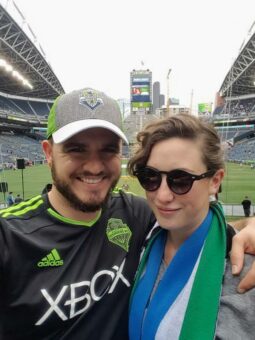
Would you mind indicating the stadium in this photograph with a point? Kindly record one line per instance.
(28, 87)
(234, 115)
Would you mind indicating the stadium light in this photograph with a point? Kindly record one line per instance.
(8, 68)
(17, 75)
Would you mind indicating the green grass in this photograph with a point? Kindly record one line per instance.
(239, 181)
(34, 178)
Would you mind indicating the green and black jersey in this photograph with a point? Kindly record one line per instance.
(66, 279)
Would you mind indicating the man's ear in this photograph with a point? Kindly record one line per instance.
(215, 181)
(47, 147)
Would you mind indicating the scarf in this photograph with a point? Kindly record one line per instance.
(200, 318)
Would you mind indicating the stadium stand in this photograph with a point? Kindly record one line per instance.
(134, 123)
(236, 108)
(22, 106)
(19, 146)
(234, 133)
(218, 111)
(236, 96)
(26, 99)
(234, 113)
(242, 152)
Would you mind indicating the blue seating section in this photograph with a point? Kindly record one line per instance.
(29, 108)
(19, 146)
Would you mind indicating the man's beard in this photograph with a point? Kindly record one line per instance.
(73, 199)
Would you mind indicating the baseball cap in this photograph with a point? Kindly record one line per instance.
(83, 109)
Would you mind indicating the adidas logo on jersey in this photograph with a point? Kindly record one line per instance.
(51, 260)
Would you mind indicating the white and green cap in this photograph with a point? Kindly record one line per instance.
(81, 110)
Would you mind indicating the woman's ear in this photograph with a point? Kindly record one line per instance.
(215, 181)
(47, 149)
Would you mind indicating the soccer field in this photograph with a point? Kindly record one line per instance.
(239, 182)
(34, 178)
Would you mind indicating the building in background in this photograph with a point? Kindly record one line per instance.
(156, 96)
(173, 110)
(158, 99)
(161, 100)
(176, 109)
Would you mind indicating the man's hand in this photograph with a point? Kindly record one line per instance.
(243, 242)
(244, 222)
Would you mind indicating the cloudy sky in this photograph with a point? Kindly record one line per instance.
(97, 43)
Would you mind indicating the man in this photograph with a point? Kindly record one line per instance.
(246, 203)
(18, 199)
(68, 258)
(10, 199)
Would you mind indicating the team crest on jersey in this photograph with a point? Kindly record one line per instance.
(90, 99)
(118, 233)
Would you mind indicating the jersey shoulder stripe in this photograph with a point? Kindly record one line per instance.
(22, 207)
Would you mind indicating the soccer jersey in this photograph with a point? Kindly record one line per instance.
(66, 279)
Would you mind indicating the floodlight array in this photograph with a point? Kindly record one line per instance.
(10, 69)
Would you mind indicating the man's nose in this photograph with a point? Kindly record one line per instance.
(93, 163)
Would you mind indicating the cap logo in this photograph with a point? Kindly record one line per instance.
(90, 99)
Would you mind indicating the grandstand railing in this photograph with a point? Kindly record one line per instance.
(236, 210)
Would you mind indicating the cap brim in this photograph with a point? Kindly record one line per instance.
(71, 129)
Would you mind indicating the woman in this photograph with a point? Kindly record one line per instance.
(178, 293)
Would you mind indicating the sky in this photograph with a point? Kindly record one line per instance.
(97, 43)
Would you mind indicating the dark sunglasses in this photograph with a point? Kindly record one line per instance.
(178, 181)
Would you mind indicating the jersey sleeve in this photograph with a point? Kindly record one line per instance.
(1, 251)
(2, 247)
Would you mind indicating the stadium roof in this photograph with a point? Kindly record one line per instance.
(240, 80)
(18, 50)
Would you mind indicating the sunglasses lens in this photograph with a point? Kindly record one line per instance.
(149, 179)
(180, 182)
